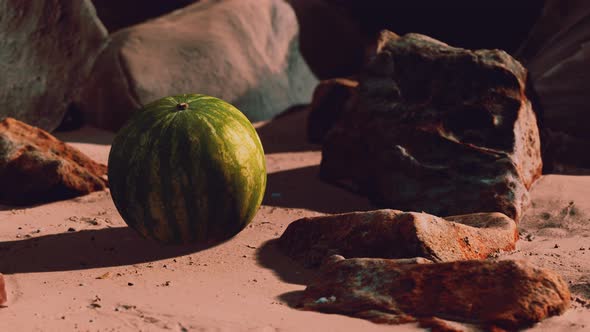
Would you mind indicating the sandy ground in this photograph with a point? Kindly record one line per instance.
(74, 266)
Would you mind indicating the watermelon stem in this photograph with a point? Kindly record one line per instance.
(182, 106)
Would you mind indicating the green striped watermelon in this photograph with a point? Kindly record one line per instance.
(187, 169)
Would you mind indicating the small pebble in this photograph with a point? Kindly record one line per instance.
(71, 229)
(129, 284)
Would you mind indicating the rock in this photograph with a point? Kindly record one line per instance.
(331, 99)
(397, 234)
(507, 294)
(243, 51)
(3, 296)
(331, 41)
(48, 48)
(116, 14)
(36, 167)
(557, 56)
(437, 129)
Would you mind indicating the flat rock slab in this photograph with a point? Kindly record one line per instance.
(506, 294)
(438, 129)
(397, 234)
(36, 167)
(47, 49)
(243, 51)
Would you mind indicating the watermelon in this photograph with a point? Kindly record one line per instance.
(187, 169)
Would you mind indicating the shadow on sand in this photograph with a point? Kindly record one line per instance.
(88, 135)
(286, 269)
(270, 256)
(302, 188)
(8, 207)
(287, 132)
(86, 249)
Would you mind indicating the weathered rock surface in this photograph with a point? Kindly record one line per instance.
(36, 167)
(397, 234)
(506, 294)
(243, 51)
(116, 14)
(3, 296)
(331, 99)
(438, 129)
(557, 56)
(46, 50)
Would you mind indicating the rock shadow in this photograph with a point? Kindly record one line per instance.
(302, 188)
(86, 134)
(287, 132)
(270, 256)
(292, 299)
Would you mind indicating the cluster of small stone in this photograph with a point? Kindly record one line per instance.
(433, 128)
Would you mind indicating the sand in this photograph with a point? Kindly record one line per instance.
(74, 266)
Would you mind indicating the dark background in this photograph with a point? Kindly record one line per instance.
(335, 33)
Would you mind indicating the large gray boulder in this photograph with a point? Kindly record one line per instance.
(243, 51)
(47, 49)
(438, 129)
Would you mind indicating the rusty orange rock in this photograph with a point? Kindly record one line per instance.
(3, 296)
(507, 294)
(397, 234)
(37, 167)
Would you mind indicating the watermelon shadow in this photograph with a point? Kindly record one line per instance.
(87, 249)
(286, 132)
(7, 207)
(302, 188)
